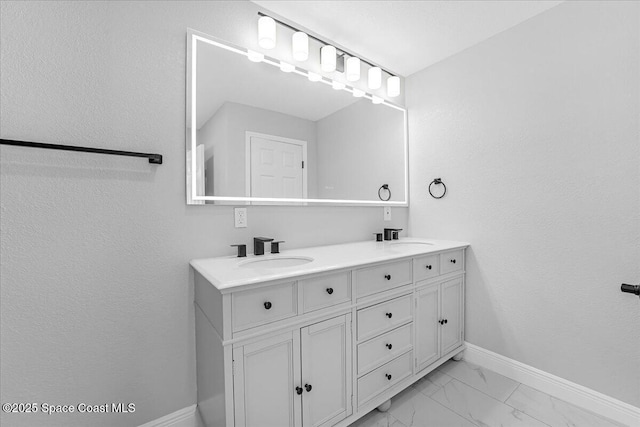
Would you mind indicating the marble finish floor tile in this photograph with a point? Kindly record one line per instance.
(481, 409)
(553, 411)
(488, 382)
(414, 409)
(376, 418)
(432, 382)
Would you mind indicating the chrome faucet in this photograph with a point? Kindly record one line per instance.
(258, 244)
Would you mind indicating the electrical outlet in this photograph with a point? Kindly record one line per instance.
(387, 213)
(240, 215)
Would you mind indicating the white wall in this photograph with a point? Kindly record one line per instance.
(94, 299)
(361, 145)
(535, 132)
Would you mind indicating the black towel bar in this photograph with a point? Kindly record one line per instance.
(153, 158)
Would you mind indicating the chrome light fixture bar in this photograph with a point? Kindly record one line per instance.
(330, 56)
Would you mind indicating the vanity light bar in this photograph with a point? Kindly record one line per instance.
(328, 53)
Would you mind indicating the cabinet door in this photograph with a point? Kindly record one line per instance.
(451, 309)
(427, 326)
(266, 374)
(326, 371)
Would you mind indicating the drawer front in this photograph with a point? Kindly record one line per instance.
(384, 316)
(426, 267)
(383, 277)
(325, 291)
(379, 380)
(383, 348)
(451, 261)
(265, 305)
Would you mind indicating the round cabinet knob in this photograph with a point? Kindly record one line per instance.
(299, 390)
(428, 267)
(441, 321)
(445, 320)
(387, 276)
(329, 291)
(388, 376)
(267, 305)
(389, 315)
(453, 261)
(308, 387)
(389, 346)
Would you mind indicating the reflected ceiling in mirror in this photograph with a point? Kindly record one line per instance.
(258, 135)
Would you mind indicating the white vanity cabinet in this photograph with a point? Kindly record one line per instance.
(323, 345)
(299, 378)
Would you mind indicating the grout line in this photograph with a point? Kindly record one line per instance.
(511, 394)
(451, 410)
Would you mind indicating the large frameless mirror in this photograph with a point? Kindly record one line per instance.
(258, 135)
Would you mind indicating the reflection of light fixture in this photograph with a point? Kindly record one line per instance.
(353, 69)
(300, 46)
(376, 99)
(328, 56)
(358, 93)
(286, 67)
(375, 78)
(267, 32)
(338, 85)
(314, 77)
(254, 56)
(393, 86)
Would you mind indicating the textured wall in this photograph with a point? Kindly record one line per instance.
(535, 131)
(95, 304)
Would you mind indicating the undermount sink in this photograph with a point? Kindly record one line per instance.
(410, 243)
(276, 262)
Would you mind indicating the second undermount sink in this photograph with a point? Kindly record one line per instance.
(276, 262)
(410, 244)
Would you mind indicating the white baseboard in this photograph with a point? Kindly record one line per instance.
(559, 387)
(185, 417)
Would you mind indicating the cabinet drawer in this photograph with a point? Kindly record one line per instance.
(382, 277)
(384, 316)
(450, 262)
(383, 348)
(325, 291)
(265, 305)
(426, 267)
(378, 380)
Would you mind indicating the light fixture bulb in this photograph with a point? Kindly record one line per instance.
(393, 86)
(375, 78)
(314, 77)
(328, 56)
(300, 46)
(358, 93)
(338, 85)
(254, 56)
(376, 99)
(267, 32)
(353, 69)
(286, 67)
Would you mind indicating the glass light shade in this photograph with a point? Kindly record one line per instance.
(266, 32)
(393, 86)
(286, 67)
(328, 56)
(376, 99)
(375, 78)
(300, 46)
(358, 93)
(353, 69)
(254, 56)
(314, 77)
(338, 85)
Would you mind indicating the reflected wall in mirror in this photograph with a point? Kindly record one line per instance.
(258, 135)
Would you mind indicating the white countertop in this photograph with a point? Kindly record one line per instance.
(226, 273)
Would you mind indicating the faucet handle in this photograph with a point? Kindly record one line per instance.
(396, 232)
(378, 237)
(242, 250)
(275, 246)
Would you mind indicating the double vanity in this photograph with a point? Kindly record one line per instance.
(320, 336)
